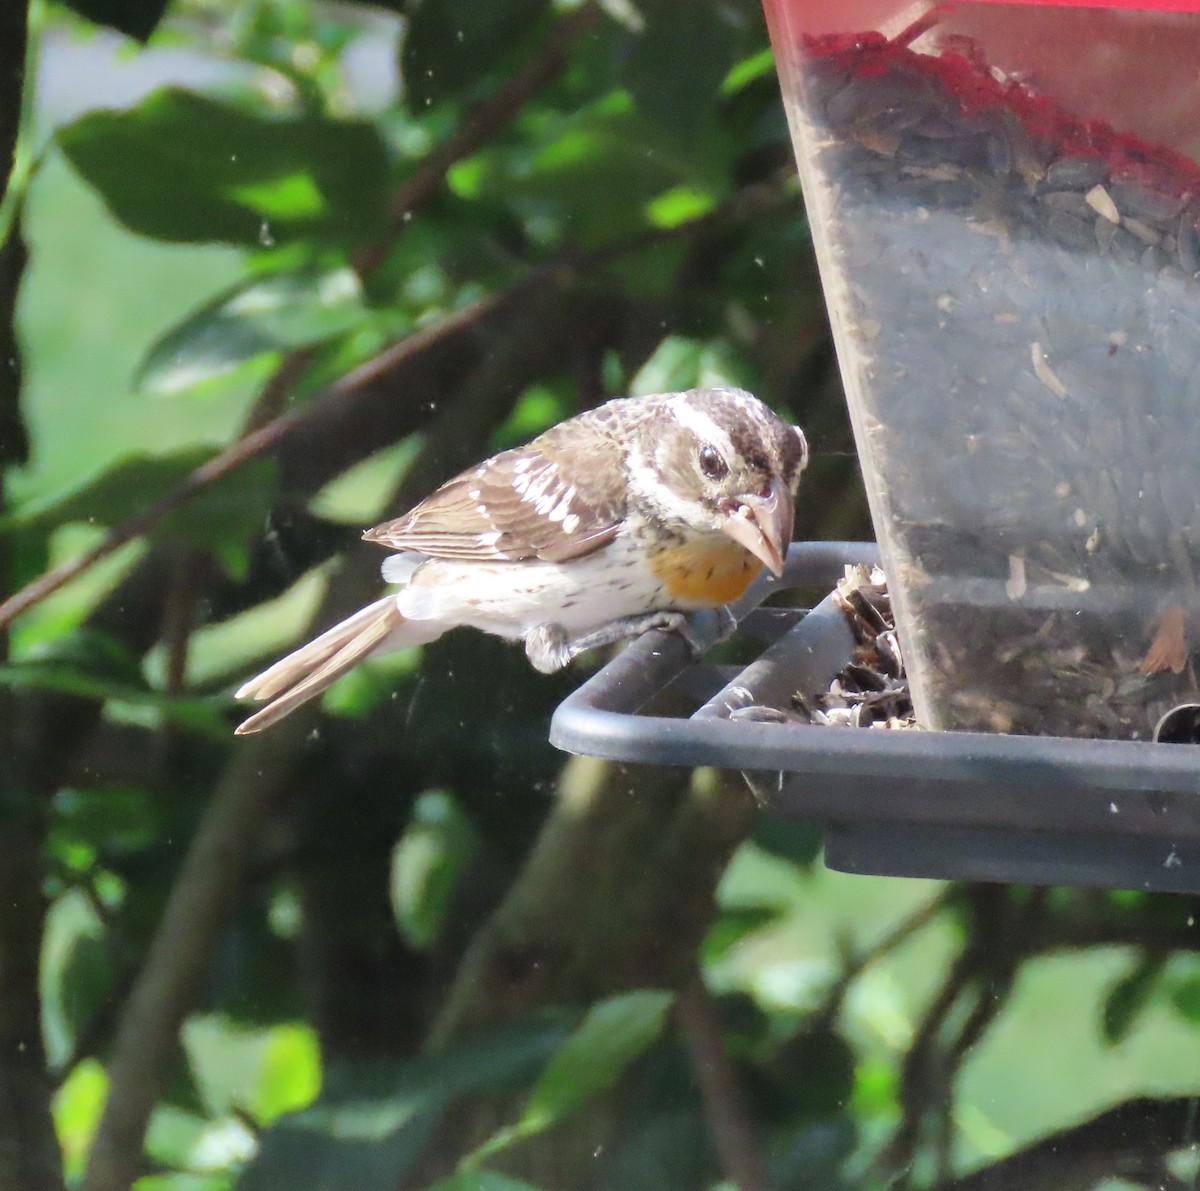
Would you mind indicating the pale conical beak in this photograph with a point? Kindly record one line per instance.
(763, 524)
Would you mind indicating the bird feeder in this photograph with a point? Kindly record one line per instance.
(1005, 204)
(1005, 201)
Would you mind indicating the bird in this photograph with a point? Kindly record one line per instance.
(623, 518)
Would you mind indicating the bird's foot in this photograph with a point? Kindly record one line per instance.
(549, 648)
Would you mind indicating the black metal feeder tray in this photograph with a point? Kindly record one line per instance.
(958, 805)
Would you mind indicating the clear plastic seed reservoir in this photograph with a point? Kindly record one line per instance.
(1005, 200)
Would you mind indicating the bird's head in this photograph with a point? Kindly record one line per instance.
(720, 461)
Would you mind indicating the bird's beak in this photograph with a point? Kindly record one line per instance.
(763, 524)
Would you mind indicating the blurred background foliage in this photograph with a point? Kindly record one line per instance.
(272, 269)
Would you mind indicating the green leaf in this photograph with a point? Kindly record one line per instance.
(265, 1072)
(77, 1108)
(450, 45)
(1185, 997)
(679, 60)
(87, 978)
(592, 173)
(1130, 996)
(276, 313)
(679, 363)
(218, 517)
(183, 1182)
(758, 64)
(90, 652)
(679, 205)
(201, 715)
(183, 167)
(290, 1077)
(374, 1118)
(427, 862)
(732, 926)
(614, 1033)
(137, 18)
(115, 820)
(482, 1180)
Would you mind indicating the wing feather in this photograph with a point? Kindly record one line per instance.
(558, 498)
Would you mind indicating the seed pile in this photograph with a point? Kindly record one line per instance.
(1021, 296)
(872, 691)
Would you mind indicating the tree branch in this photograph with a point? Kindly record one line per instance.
(482, 124)
(742, 1159)
(315, 418)
(251, 446)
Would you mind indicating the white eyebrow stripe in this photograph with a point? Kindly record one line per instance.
(646, 482)
(703, 427)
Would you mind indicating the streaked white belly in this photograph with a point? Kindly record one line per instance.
(509, 599)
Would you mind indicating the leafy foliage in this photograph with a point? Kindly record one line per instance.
(186, 168)
(261, 316)
(449, 959)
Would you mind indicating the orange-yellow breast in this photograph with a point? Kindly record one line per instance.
(705, 573)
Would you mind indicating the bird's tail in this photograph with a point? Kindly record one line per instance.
(312, 668)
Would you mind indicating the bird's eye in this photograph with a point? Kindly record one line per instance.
(711, 463)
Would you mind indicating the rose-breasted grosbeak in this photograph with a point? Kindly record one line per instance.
(613, 522)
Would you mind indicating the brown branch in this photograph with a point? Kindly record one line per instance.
(179, 616)
(854, 965)
(480, 125)
(1115, 1143)
(247, 448)
(742, 1159)
(201, 900)
(266, 426)
(558, 274)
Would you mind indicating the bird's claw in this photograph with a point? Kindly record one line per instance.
(549, 648)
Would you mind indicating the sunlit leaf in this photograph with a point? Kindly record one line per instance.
(760, 63)
(679, 363)
(732, 926)
(539, 407)
(77, 1107)
(184, 167)
(276, 313)
(426, 864)
(290, 1077)
(679, 205)
(89, 652)
(373, 1119)
(592, 173)
(614, 1033)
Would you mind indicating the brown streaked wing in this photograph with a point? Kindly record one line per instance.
(520, 505)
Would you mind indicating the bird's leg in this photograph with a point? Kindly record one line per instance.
(549, 648)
